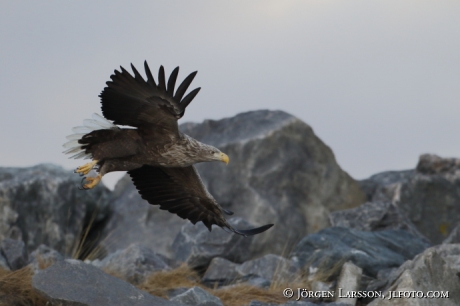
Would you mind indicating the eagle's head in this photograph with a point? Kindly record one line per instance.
(210, 153)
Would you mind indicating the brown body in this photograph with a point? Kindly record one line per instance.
(126, 149)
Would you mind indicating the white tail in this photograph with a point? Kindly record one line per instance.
(96, 123)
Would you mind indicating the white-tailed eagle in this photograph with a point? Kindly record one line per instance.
(158, 157)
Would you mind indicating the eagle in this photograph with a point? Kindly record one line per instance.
(139, 134)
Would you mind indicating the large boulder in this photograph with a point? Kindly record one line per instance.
(426, 279)
(429, 195)
(280, 172)
(450, 253)
(371, 251)
(374, 216)
(43, 205)
(72, 282)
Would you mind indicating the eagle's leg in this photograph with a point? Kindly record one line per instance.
(92, 182)
(86, 168)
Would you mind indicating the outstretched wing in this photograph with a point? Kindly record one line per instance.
(149, 106)
(180, 191)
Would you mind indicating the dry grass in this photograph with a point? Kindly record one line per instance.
(160, 283)
(16, 288)
(86, 247)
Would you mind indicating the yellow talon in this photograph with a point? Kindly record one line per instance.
(92, 181)
(86, 168)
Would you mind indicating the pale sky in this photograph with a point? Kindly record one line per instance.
(377, 80)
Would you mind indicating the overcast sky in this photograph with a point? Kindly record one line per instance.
(379, 81)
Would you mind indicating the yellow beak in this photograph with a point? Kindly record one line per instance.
(224, 158)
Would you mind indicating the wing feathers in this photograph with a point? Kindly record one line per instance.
(137, 75)
(186, 101)
(150, 79)
(184, 86)
(131, 100)
(161, 79)
(172, 81)
(180, 191)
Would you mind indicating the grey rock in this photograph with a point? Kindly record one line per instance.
(197, 297)
(371, 251)
(43, 205)
(220, 270)
(134, 263)
(428, 195)
(433, 164)
(349, 282)
(280, 172)
(450, 253)
(44, 256)
(429, 271)
(381, 187)
(72, 282)
(197, 246)
(270, 267)
(374, 216)
(14, 252)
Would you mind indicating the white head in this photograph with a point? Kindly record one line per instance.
(210, 153)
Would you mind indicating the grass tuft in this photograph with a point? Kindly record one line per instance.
(160, 283)
(16, 288)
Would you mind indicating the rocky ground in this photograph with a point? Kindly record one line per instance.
(397, 231)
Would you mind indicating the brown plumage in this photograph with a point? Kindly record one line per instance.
(158, 157)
